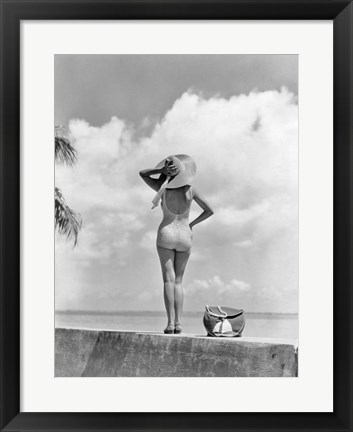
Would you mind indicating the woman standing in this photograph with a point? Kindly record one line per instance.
(174, 237)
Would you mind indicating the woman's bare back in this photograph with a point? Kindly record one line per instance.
(178, 200)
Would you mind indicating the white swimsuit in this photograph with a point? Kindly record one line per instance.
(174, 231)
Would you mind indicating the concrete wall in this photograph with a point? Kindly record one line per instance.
(91, 353)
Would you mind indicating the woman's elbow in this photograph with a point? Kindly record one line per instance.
(210, 212)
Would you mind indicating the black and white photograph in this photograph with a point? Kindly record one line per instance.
(176, 215)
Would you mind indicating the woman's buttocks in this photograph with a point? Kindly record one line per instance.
(175, 234)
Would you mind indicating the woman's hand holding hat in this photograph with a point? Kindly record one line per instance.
(170, 169)
(180, 170)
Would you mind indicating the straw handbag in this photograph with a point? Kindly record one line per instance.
(223, 321)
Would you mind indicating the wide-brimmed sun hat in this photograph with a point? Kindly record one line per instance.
(186, 167)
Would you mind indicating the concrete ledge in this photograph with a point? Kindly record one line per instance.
(105, 353)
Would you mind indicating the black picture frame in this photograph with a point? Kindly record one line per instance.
(12, 12)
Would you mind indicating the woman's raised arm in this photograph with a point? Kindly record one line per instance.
(155, 184)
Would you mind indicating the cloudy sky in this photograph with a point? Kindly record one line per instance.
(237, 116)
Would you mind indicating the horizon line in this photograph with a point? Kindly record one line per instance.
(126, 312)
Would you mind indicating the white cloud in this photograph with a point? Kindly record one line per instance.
(216, 284)
(198, 256)
(148, 241)
(127, 221)
(244, 244)
(240, 285)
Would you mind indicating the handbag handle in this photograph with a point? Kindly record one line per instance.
(224, 314)
(222, 311)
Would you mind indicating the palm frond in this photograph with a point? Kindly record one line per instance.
(67, 221)
(64, 151)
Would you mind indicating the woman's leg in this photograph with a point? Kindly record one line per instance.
(180, 261)
(166, 257)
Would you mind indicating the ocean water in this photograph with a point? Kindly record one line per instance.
(257, 324)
